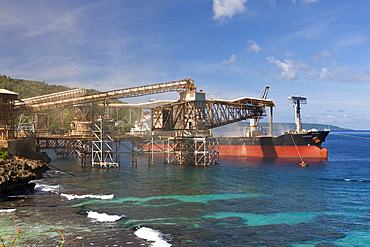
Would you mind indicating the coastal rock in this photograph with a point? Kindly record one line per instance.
(24, 147)
(16, 172)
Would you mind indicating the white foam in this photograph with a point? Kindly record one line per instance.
(103, 217)
(103, 197)
(7, 210)
(46, 188)
(55, 172)
(152, 236)
(347, 179)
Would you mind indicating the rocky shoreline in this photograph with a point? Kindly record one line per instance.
(16, 173)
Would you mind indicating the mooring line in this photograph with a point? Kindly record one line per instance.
(296, 148)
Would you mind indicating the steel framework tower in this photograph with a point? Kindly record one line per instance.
(26, 126)
(192, 151)
(103, 144)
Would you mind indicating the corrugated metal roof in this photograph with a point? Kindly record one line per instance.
(4, 91)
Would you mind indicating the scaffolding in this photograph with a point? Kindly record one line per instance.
(26, 126)
(103, 144)
(7, 115)
(192, 151)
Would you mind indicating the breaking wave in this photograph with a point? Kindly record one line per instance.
(153, 236)
(103, 197)
(46, 188)
(7, 210)
(103, 217)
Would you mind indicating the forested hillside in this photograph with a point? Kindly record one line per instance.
(26, 88)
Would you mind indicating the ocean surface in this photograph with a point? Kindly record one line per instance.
(240, 202)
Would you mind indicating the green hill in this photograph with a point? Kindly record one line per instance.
(27, 88)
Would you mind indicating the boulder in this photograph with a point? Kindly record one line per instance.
(16, 173)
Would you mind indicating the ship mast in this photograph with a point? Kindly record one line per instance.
(297, 100)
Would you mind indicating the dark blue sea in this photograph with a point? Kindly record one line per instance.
(240, 202)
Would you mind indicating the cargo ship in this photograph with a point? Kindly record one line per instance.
(287, 145)
(254, 141)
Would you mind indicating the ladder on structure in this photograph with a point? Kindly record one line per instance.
(103, 144)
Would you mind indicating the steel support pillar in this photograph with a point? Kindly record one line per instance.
(192, 151)
(103, 144)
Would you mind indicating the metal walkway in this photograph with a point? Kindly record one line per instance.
(55, 101)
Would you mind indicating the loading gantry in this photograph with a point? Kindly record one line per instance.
(193, 112)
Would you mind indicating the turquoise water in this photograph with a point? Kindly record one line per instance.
(240, 202)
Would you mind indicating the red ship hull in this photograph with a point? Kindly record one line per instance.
(274, 151)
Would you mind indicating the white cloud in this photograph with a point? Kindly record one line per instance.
(227, 8)
(289, 54)
(350, 41)
(272, 3)
(227, 71)
(288, 69)
(310, 1)
(63, 24)
(320, 55)
(325, 75)
(253, 47)
(232, 59)
(306, 1)
(336, 73)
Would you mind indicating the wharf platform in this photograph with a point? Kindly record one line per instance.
(176, 150)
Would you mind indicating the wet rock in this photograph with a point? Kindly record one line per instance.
(16, 173)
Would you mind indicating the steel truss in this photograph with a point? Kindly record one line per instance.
(55, 102)
(203, 115)
(103, 144)
(192, 151)
(81, 145)
(44, 121)
(65, 147)
(26, 126)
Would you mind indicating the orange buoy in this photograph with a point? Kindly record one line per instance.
(303, 164)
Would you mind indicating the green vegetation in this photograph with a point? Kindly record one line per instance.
(127, 128)
(4, 155)
(26, 88)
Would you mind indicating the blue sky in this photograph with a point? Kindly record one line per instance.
(231, 48)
